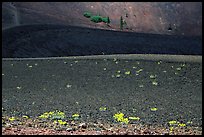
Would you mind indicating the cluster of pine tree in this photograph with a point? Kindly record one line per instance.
(97, 18)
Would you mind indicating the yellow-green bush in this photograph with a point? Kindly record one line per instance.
(119, 117)
(53, 115)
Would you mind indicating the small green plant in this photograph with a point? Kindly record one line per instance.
(153, 109)
(141, 86)
(118, 75)
(102, 108)
(154, 83)
(119, 117)
(183, 65)
(140, 70)
(12, 118)
(18, 87)
(58, 115)
(153, 76)
(173, 122)
(181, 125)
(60, 122)
(118, 71)
(75, 116)
(134, 118)
(24, 116)
(53, 115)
(189, 122)
(127, 72)
(159, 62)
(171, 129)
(179, 68)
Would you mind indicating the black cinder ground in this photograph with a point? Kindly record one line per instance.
(132, 87)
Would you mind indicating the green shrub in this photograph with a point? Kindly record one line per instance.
(106, 19)
(96, 19)
(87, 14)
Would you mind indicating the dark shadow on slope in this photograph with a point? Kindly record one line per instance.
(59, 41)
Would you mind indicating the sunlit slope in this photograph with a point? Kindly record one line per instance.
(148, 17)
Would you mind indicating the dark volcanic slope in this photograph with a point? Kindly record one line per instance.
(59, 41)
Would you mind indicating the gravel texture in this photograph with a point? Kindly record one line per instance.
(132, 87)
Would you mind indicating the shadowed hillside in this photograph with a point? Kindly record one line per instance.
(60, 41)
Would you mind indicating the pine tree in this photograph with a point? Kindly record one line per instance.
(121, 23)
(108, 20)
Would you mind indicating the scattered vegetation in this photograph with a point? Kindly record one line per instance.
(97, 18)
(53, 115)
(59, 116)
(173, 124)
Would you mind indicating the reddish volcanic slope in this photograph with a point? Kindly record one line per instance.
(145, 17)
